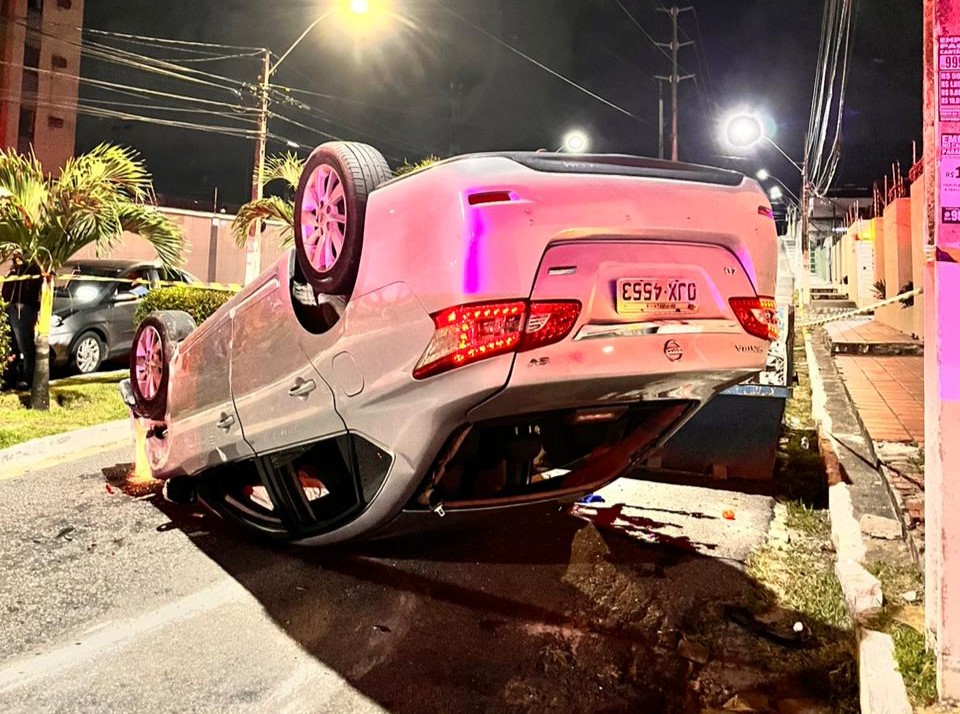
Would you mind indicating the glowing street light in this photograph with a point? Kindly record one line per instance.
(743, 130)
(763, 174)
(357, 15)
(776, 194)
(575, 142)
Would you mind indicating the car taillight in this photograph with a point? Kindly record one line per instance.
(757, 315)
(470, 333)
(549, 322)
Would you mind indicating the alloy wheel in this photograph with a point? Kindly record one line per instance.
(323, 218)
(149, 362)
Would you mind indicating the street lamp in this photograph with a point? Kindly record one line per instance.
(575, 142)
(744, 130)
(763, 175)
(776, 193)
(354, 10)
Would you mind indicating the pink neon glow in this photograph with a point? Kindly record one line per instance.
(474, 256)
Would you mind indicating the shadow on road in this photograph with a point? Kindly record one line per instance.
(530, 610)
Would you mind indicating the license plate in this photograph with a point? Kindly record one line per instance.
(657, 296)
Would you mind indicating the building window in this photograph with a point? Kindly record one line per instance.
(35, 5)
(54, 122)
(64, 4)
(31, 56)
(59, 62)
(30, 84)
(25, 139)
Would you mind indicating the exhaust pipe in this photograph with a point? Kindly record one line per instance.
(181, 490)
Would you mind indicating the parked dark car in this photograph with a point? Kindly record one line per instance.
(93, 319)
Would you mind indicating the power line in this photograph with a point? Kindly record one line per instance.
(122, 57)
(214, 58)
(379, 131)
(124, 88)
(541, 65)
(344, 100)
(642, 29)
(160, 108)
(128, 116)
(170, 41)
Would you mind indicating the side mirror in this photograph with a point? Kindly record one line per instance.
(125, 296)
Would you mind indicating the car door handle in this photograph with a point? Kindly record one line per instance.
(302, 387)
(226, 421)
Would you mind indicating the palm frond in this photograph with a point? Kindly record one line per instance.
(24, 191)
(271, 208)
(108, 168)
(283, 167)
(164, 235)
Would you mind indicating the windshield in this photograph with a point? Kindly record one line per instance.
(84, 290)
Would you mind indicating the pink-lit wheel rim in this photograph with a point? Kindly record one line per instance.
(149, 362)
(323, 218)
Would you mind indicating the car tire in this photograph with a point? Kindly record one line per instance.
(87, 353)
(153, 346)
(329, 212)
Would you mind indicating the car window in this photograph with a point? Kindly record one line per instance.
(138, 289)
(176, 276)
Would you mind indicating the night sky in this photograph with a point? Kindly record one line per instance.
(394, 91)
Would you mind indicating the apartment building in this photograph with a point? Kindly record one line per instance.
(40, 53)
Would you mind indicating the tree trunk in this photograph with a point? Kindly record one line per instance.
(40, 391)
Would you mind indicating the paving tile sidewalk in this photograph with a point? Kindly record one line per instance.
(887, 392)
(864, 335)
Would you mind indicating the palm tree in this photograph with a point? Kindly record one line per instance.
(283, 167)
(45, 219)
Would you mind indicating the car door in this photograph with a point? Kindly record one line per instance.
(204, 426)
(281, 399)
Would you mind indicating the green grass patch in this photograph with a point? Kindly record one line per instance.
(803, 580)
(917, 665)
(807, 520)
(74, 403)
(904, 623)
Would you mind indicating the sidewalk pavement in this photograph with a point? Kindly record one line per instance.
(864, 335)
(882, 371)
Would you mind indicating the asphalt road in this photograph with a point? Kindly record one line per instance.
(115, 603)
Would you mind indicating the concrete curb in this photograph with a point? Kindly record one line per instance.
(22, 456)
(882, 690)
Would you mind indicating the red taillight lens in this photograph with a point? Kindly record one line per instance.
(549, 322)
(757, 315)
(471, 333)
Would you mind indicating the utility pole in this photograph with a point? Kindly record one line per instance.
(660, 109)
(253, 240)
(675, 77)
(805, 198)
